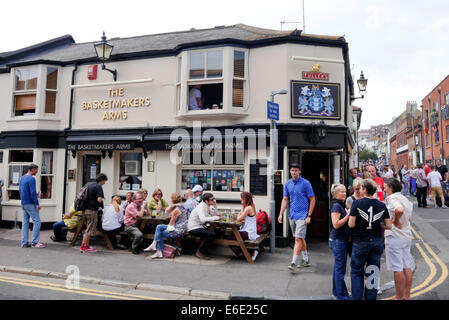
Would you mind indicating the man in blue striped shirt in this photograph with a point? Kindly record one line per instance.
(30, 207)
(298, 193)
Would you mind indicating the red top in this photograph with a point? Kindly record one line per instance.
(426, 169)
(380, 188)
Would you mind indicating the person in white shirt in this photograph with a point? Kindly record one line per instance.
(129, 199)
(199, 216)
(195, 98)
(398, 240)
(387, 173)
(434, 178)
(112, 219)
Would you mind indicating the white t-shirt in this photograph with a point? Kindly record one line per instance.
(194, 94)
(111, 219)
(435, 179)
(388, 174)
(394, 201)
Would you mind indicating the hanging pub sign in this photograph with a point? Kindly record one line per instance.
(315, 100)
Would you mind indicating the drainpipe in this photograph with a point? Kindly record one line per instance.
(66, 131)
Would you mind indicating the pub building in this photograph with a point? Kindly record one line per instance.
(76, 113)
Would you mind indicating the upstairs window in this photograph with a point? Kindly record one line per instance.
(25, 91)
(238, 81)
(50, 90)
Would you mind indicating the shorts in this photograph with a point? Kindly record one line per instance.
(91, 222)
(436, 190)
(397, 253)
(299, 228)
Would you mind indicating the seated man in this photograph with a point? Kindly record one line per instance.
(137, 208)
(70, 220)
(199, 216)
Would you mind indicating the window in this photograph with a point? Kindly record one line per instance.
(206, 65)
(27, 90)
(446, 98)
(213, 171)
(1, 156)
(427, 140)
(47, 175)
(50, 92)
(130, 171)
(238, 80)
(19, 160)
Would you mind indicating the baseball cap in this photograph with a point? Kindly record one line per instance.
(295, 165)
(197, 188)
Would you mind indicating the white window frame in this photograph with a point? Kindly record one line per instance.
(117, 165)
(40, 91)
(21, 164)
(51, 175)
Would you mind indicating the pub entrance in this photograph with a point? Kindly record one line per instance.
(91, 167)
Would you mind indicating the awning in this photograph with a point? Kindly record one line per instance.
(102, 142)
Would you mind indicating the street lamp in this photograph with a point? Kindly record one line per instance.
(104, 50)
(273, 167)
(362, 83)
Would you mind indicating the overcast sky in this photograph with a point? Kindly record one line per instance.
(402, 46)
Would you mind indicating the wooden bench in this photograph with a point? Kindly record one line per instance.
(78, 230)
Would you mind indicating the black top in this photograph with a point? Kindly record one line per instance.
(369, 214)
(94, 191)
(343, 232)
(442, 170)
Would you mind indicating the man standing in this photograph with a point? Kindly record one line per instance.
(30, 207)
(434, 179)
(405, 174)
(378, 180)
(95, 198)
(298, 193)
(137, 208)
(442, 169)
(352, 175)
(199, 216)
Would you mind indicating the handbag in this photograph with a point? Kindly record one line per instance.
(169, 251)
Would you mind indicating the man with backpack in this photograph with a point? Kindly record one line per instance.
(299, 194)
(94, 200)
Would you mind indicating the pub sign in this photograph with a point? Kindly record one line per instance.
(315, 100)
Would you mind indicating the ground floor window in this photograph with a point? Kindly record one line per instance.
(214, 179)
(130, 171)
(18, 163)
(47, 175)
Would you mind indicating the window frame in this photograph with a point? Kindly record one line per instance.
(119, 189)
(49, 175)
(40, 92)
(10, 164)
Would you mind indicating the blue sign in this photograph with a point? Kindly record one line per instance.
(272, 110)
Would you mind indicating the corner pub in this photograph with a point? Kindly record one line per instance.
(75, 119)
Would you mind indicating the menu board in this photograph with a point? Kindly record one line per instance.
(258, 177)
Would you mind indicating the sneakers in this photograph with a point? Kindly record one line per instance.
(201, 256)
(254, 255)
(38, 245)
(53, 238)
(292, 267)
(151, 247)
(304, 264)
(444, 207)
(157, 255)
(85, 248)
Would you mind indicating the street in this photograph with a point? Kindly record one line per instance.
(187, 277)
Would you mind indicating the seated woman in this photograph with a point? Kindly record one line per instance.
(112, 219)
(175, 229)
(157, 203)
(70, 220)
(248, 230)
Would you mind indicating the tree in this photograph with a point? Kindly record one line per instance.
(366, 154)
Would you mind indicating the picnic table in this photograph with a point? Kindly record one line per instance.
(163, 218)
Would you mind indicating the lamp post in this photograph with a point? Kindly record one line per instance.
(362, 83)
(441, 126)
(273, 167)
(103, 50)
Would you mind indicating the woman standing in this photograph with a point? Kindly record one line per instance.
(248, 230)
(175, 228)
(368, 217)
(421, 186)
(357, 186)
(339, 241)
(398, 240)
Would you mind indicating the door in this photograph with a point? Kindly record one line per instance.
(92, 167)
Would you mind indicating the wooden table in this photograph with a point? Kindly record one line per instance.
(235, 227)
(160, 219)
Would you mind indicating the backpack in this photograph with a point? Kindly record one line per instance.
(80, 202)
(263, 222)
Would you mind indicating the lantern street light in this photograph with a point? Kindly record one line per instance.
(362, 83)
(104, 50)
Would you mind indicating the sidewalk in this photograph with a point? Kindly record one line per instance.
(268, 278)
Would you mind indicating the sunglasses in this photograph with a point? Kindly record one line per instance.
(212, 199)
(158, 194)
(357, 189)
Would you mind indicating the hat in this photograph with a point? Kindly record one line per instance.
(197, 188)
(295, 165)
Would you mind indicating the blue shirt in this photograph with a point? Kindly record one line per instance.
(342, 233)
(299, 192)
(27, 190)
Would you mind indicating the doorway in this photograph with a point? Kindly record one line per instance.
(315, 168)
(91, 168)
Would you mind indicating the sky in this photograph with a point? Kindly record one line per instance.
(402, 46)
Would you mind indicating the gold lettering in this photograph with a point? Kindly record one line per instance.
(117, 115)
(89, 105)
(105, 104)
(130, 103)
(105, 116)
(141, 102)
(115, 103)
(121, 92)
(124, 105)
(115, 92)
(147, 102)
(84, 105)
(124, 115)
(111, 115)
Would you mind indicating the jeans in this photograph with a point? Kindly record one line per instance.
(422, 196)
(159, 235)
(30, 210)
(58, 230)
(406, 185)
(365, 263)
(340, 251)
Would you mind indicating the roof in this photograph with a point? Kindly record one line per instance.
(171, 43)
